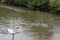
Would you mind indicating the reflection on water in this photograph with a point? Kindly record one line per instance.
(29, 25)
(26, 32)
(56, 35)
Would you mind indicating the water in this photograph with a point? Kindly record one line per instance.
(29, 25)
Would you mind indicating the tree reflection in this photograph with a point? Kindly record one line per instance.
(41, 32)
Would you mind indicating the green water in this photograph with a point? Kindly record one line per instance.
(32, 25)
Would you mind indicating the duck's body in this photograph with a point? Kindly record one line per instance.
(11, 31)
(44, 25)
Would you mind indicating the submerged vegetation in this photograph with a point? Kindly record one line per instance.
(42, 5)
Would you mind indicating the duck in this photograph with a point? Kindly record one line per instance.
(11, 31)
(44, 25)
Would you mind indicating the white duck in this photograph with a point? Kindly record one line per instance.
(11, 31)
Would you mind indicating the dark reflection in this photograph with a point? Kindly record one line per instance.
(41, 32)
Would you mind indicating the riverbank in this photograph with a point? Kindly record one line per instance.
(23, 9)
(19, 9)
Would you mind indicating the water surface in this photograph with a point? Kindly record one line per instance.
(29, 25)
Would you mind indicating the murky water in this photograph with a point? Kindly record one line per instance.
(29, 25)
